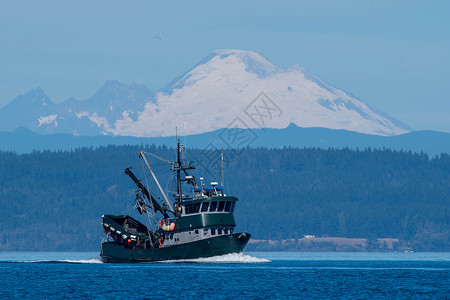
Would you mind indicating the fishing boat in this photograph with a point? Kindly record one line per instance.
(198, 222)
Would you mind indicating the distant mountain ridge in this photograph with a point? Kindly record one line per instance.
(431, 142)
(35, 111)
(225, 85)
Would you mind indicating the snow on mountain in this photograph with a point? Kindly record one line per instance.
(232, 84)
(48, 120)
(26, 110)
(229, 88)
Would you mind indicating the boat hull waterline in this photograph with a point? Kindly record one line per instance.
(220, 245)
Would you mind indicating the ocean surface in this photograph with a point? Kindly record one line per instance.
(253, 275)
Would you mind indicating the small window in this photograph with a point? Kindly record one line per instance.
(205, 206)
(213, 231)
(219, 231)
(227, 206)
(205, 231)
(225, 231)
(221, 206)
(213, 206)
(232, 206)
(192, 208)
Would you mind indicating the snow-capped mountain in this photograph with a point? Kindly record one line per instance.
(229, 88)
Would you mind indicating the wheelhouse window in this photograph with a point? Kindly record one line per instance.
(219, 231)
(192, 208)
(227, 206)
(232, 206)
(213, 231)
(205, 206)
(221, 206)
(213, 206)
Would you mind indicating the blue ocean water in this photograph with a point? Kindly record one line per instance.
(253, 275)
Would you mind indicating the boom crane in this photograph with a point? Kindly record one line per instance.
(155, 204)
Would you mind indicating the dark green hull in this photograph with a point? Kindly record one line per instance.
(220, 245)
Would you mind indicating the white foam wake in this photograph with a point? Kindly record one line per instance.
(82, 261)
(71, 261)
(231, 258)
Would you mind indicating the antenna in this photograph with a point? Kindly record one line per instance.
(185, 142)
(222, 170)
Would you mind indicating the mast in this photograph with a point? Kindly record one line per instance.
(180, 196)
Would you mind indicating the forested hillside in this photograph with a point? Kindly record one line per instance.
(55, 200)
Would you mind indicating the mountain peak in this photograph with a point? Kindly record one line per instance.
(37, 91)
(254, 61)
(115, 90)
(111, 86)
(35, 96)
(113, 83)
(223, 63)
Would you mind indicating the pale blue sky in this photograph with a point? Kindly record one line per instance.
(394, 55)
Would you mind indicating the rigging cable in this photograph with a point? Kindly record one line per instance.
(158, 157)
(148, 216)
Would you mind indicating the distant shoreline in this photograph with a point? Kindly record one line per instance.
(331, 244)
